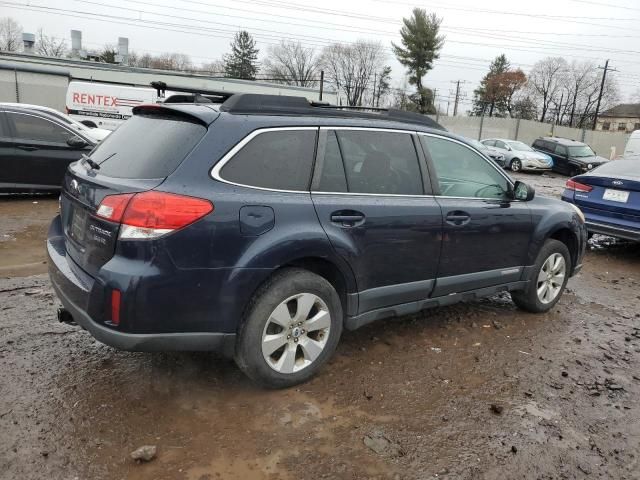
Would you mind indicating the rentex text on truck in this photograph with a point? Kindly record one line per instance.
(104, 105)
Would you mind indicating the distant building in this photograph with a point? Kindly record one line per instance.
(621, 118)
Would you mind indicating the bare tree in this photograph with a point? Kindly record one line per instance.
(545, 82)
(215, 68)
(172, 61)
(350, 67)
(292, 64)
(50, 46)
(10, 35)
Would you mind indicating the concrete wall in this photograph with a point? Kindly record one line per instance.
(606, 144)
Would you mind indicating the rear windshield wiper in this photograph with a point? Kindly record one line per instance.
(90, 162)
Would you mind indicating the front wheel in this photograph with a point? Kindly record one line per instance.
(516, 165)
(291, 329)
(548, 280)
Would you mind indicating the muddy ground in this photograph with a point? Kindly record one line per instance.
(478, 390)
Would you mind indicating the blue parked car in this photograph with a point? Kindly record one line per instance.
(263, 226)
(609, 197)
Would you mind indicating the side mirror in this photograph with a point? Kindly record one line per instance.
(76, 142)
(523, 192)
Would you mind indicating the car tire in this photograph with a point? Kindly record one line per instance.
(515, 165)
(290, 330)
(574, 172)
(545, 286)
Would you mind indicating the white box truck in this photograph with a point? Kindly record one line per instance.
(105, 105)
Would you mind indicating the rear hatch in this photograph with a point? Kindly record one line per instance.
(137, 157)
(614, 197)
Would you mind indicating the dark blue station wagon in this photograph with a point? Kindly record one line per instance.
(263, 226)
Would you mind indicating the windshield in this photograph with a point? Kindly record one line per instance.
(520, 147)
(581, 151)
(477, 144)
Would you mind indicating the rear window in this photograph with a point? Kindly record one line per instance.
(147, 146)
(280, 160)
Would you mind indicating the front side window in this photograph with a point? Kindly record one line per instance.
(279, 160)
(378, 162)
(581, 151)
(502, 145)
(489, 143)
(462, 172)
(31, 127)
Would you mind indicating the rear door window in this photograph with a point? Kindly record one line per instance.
(32, 127)
(147, 146)
(278, 160)
(384, 163)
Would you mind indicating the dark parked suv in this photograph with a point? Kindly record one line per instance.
(263, 226)
(569, 157)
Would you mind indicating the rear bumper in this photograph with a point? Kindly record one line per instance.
(613, 231)
(74, 289)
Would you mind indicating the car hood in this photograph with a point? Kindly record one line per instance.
(96, 133)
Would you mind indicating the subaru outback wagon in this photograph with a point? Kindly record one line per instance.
(263, 226)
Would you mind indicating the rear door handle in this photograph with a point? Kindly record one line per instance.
(457, 218)
(27, 148)
(347, 219)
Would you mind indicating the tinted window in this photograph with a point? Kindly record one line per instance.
(280, 160)
(332, 175)
(30, 127)
(380, 162)
(462, 172)
(147, 146)
(561, 150)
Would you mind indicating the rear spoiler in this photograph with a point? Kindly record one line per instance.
(201, 113)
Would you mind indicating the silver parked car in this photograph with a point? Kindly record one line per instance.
(519, 156)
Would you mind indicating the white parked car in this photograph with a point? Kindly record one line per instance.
(519, 156)
(632, 149)
(97, 134)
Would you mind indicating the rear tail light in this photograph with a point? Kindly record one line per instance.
(152, 214)
(577, 186)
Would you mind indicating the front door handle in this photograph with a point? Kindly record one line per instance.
(27, 148)
(347, 218)
(458, 218)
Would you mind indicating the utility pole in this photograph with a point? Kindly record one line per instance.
(604, 76)
(433, 100)
(373, 97)
(457, 96)
(321, 83)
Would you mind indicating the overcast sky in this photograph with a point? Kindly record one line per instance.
(475, 31)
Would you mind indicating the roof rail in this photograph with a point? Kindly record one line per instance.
(253, 103)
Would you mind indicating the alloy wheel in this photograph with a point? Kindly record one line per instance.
(551, 278)
(296, 333)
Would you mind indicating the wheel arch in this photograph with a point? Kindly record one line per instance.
(570, 239)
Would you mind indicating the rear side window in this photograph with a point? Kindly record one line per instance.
(279, 159)
(385, 163)
(147, 146)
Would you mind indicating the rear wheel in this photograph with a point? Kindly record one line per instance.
(548, 280)
(291, 329)
(515, 165)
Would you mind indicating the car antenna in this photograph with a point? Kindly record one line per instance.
(88, 161)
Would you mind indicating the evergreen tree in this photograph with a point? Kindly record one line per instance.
(421, 45)
(242, 62)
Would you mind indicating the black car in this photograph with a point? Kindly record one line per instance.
(263, 226)
(35, 149)
(569, 157)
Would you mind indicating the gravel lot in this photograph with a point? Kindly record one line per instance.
(478, 390)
